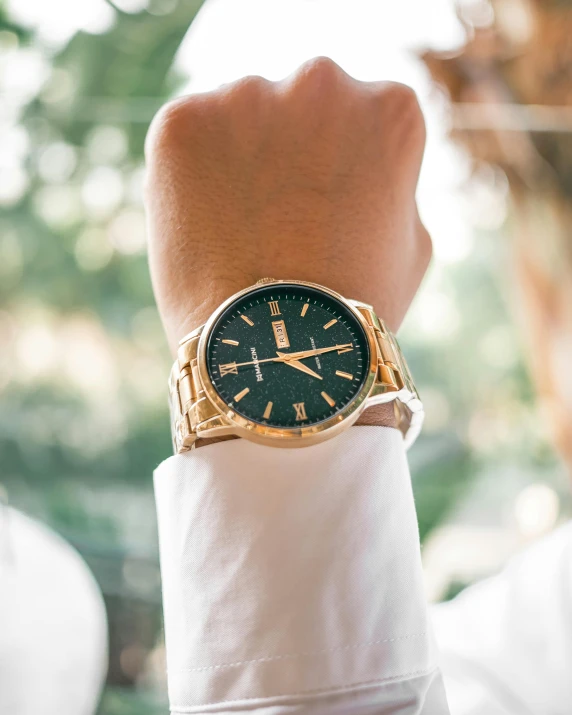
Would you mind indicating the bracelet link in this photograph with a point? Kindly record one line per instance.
(394, 381)
(186, 390)
(185, 394)
(393, 375)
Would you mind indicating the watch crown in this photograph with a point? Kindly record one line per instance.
(265, 280)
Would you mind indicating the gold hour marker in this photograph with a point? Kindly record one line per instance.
(274, 308)
(228, 369)
(341, 373)
(241, 394)
(247, 320)
(329, 325)
(345, 350)
(328, 399)
(304, 309)
(300, 411)
(267, 411)
(230, 342)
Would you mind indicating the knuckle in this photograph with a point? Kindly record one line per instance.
(172, 124)
(244, 97)
(402, 95)
(243, 103)
(249, 86)
(401, 114)
(320, 70)
(181, 122)
(403, 99)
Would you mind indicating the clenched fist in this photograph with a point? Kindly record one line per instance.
(311, 178)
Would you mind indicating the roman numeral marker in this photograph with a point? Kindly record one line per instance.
(228, 369)
(241, 394)
(328, 399)
(304, 309)
(267, 411)
(300, 411)
(347, 375)
(329, 325)
(274, 308)
(230, 342)
(247, 319)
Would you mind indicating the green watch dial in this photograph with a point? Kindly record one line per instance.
(254, 365)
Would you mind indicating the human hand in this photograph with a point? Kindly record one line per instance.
(311, 178)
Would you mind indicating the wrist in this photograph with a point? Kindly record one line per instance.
(378, 416)
(375, 416)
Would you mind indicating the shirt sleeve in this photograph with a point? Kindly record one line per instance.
(292, 580)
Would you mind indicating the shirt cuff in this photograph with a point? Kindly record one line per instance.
(291, 573)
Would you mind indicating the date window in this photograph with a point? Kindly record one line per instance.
(280, 334)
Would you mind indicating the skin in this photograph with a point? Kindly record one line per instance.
(310, 178)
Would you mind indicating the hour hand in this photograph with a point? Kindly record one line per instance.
(299, 366)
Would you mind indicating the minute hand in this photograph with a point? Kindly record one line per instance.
(309, 353)
(286, 357)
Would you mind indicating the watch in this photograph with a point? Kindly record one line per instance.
(288, 363)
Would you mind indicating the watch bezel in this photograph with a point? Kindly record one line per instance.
(297, 436)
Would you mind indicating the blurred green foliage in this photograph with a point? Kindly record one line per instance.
(52, 271)
(79, 439)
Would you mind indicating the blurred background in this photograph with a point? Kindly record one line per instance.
(83, 361)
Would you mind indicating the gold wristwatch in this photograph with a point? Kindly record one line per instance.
(288, 364)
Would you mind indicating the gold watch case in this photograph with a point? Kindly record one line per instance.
(298, 436)
(199, 412)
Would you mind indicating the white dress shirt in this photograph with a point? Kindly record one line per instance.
(292, 584)
(292, 580)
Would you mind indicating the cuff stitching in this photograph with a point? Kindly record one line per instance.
(315, 691)
(299, 655)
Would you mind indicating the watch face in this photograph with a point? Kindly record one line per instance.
(287, 356)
